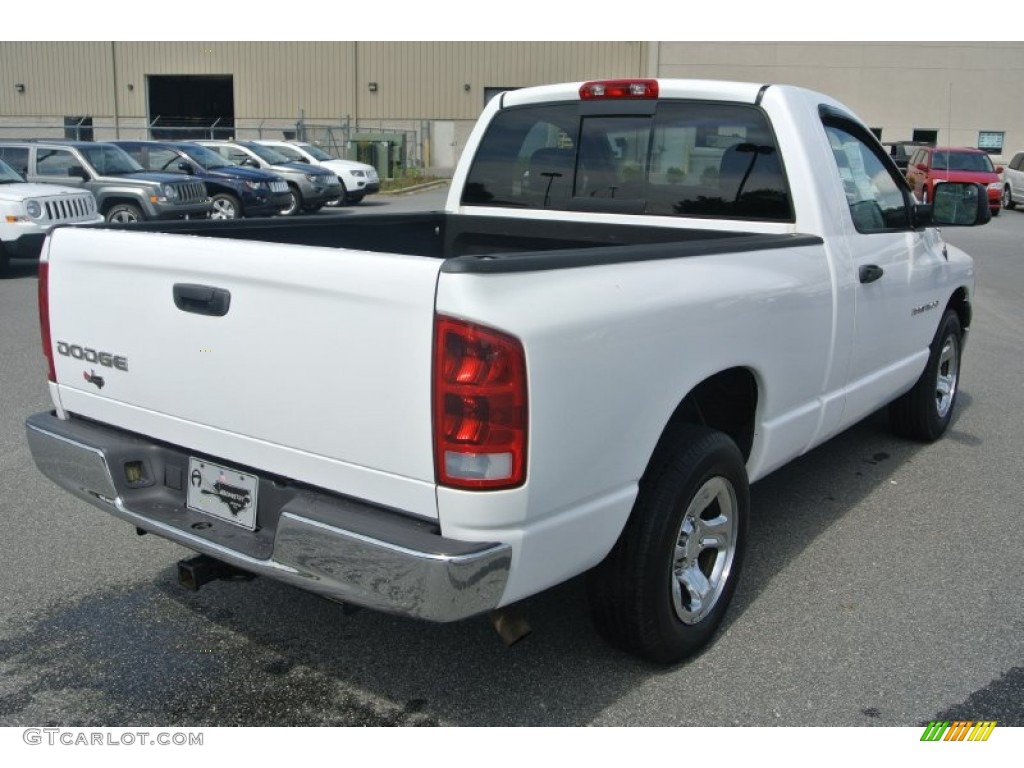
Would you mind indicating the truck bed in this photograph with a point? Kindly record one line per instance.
(485, 243)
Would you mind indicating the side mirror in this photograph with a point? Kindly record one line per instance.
(957, 204)
(250, 163)
(921, 167)
(999, 169)
(186, 167)
(78, 172)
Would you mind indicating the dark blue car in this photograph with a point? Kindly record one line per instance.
(234, 190)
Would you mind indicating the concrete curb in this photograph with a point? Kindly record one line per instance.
(418, 187)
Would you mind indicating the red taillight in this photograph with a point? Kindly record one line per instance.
(479, 406)
(44, 318)
(619, 89)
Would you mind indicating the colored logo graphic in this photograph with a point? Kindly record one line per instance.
(958, 730)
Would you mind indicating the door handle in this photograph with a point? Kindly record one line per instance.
(202, 299)
(870, 272)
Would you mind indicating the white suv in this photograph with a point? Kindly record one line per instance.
(1013, 182)
(29, 211)
(359, 179)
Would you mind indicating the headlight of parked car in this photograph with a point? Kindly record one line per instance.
(995, 186)
(33, 209)
(168, 191)
(359, 174)
(255, 185)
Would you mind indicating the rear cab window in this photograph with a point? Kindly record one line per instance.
(682, 158)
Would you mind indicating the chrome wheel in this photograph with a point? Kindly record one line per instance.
(947, 375)
(704, 551)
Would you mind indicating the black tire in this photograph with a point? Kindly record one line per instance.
(313, 208)
(994, 211)
(124, 213)
(4, 260)
(1008, 202)
(354, 199)
(639, 595)
(925, 411)
(225, 207)
(295, 204)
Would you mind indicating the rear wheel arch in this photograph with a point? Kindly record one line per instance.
(726, 402)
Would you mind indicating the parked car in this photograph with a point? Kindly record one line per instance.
(234, 191)
(933, 165)
(29, 211)
(357, 179)
(310, 187)
(1013, 182)
(901, 151)
(125, 192)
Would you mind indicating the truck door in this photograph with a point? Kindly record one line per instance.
(892, 267)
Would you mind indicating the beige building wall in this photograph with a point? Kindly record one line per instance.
(957, 89)
(286, 80)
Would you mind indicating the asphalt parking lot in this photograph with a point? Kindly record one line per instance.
(882, 587)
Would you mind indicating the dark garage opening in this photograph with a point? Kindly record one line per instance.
(191, 106)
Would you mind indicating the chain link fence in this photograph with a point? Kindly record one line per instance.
(396, 148)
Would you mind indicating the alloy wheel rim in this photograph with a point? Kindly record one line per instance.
(947, 376)
(704, 550)
(222, 209)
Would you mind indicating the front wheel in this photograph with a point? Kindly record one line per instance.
(663, 590)
(925, 411)
(294, 202)
(124, 213)
(225, 206)
(1008, 203)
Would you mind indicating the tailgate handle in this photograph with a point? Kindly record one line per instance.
(202, 299)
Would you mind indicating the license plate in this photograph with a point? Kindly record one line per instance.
(222, 492)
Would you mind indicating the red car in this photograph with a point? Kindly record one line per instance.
(933, 165)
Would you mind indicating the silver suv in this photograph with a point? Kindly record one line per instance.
(1013, 182)
(125, 192)
(311, 187)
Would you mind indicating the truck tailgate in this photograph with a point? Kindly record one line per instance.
(319, 369)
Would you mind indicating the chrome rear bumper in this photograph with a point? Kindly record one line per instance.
(341, 548)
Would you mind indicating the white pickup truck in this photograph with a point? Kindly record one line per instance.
(641, 296)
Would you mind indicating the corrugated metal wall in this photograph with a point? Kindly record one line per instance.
(322, 80)
(955, 88)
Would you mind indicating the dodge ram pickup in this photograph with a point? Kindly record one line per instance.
(641, 296)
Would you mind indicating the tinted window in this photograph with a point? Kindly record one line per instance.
(16, 157)
(54, 162)
(108, 159)
(162, 159)
(877, 201)
(962, 161)
(291, 154)
(8, 174)
(1017, 161)
(694, 159)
